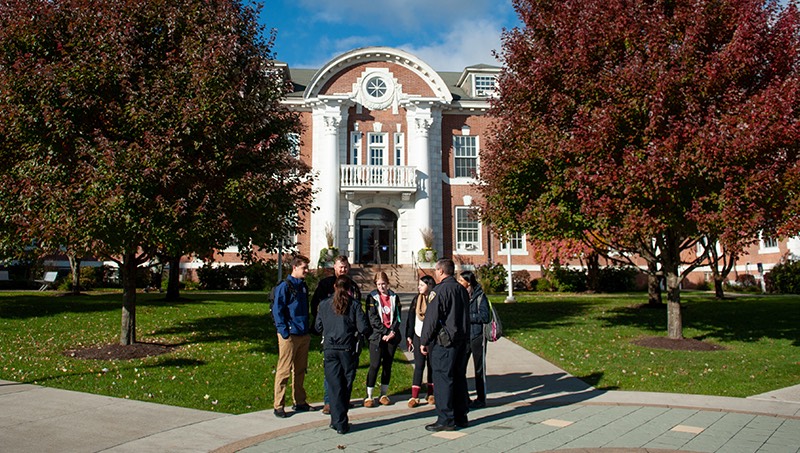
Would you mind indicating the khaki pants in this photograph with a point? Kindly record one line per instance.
(292, 360)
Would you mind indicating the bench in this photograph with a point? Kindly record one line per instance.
(49, 279)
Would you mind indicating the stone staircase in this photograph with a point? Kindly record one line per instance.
(402, 278)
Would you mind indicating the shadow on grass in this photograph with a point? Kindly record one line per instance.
(521, 317)
(742, 319)
(256, 329)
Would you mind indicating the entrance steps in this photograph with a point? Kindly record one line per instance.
(402, 278)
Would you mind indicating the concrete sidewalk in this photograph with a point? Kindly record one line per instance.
(533, 406)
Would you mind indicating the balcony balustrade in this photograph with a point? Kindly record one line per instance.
(378, 178)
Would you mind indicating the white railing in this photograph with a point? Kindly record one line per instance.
(378, 177)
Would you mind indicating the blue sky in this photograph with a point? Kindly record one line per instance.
(447, 34)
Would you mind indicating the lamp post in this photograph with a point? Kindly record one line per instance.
(510, 299)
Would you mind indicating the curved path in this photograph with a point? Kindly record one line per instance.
(533, 406)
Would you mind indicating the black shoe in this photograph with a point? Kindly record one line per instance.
(301, 408)
(344, 429)
(435, 427)
(463, 424)
(477, 404)
(280, 413)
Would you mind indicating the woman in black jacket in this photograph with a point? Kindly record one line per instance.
(416, 315)
(383, 310)
(478, 316)
(339, 319)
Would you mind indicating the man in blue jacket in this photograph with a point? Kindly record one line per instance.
(290, 312)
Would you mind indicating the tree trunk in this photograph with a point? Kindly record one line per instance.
(173, 279)
(718, 291)
(75, 267)
(674, 317)
(593, 272)
(128, 271)
(653, 286)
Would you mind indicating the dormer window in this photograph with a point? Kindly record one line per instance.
(485, 85)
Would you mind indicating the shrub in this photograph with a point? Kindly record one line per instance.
(543, 285)
(521, 279)
(213, 277)
(784, 278)
(566, 280)
(616, 279)
(492, 277)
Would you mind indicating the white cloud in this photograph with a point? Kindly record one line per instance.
(408, 14)
(466, 43)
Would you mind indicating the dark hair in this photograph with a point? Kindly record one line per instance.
(341, 294)
(428, 280)
(469, 277)
(299, 260)
(341, 259)
(446, 265)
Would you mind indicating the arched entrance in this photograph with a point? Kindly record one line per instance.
(376, 236)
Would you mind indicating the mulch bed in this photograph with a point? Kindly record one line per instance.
(683, 344)
(120, 352)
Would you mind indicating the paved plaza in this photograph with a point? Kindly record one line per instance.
(534, 406)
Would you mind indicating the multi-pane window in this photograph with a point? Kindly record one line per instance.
(294, 140)
(377, 148)
(517, 241)
(377, 151)
(768, 242)
(484, 85)
(465, 150)
(467, 229)
(398, 148)
(355, 148)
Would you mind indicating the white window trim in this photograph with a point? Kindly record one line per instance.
(514, 251)
(479, 246)
(356, 141)
(484, 92)
(466, 180)
(763, 249)
(384, 147)
(398, 141)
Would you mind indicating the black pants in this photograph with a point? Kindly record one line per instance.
(381, 355)
(450, 383)
(420, 363)
(478, 351)
(339, 364)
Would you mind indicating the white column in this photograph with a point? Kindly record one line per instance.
(421, 124)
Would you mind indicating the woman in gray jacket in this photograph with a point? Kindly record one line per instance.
(478, 316)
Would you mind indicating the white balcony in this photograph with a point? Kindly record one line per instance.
(378, 178)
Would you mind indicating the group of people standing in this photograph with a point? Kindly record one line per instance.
(444, 327)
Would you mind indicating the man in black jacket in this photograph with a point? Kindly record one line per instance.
(445, 334)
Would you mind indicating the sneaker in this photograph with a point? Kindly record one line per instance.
(431, 399)
(280, 413)
(369, 402)
(326, 409)
(413, 402)
(301, 407)
(385, 400)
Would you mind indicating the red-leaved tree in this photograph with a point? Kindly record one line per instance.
(647, 126)
(134, 127)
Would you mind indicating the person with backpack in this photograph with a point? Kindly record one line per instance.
(478, 316)
(290, 312)
(341, 320)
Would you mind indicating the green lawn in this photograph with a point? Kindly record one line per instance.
(590, 336)
(228, 350)
(225, 362)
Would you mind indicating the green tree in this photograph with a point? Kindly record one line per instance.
(647, 125)
(136, 127)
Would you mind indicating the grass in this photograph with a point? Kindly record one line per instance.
(590, 336)
(225, 360)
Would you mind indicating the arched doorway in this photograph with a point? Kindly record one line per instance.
(376, 236)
